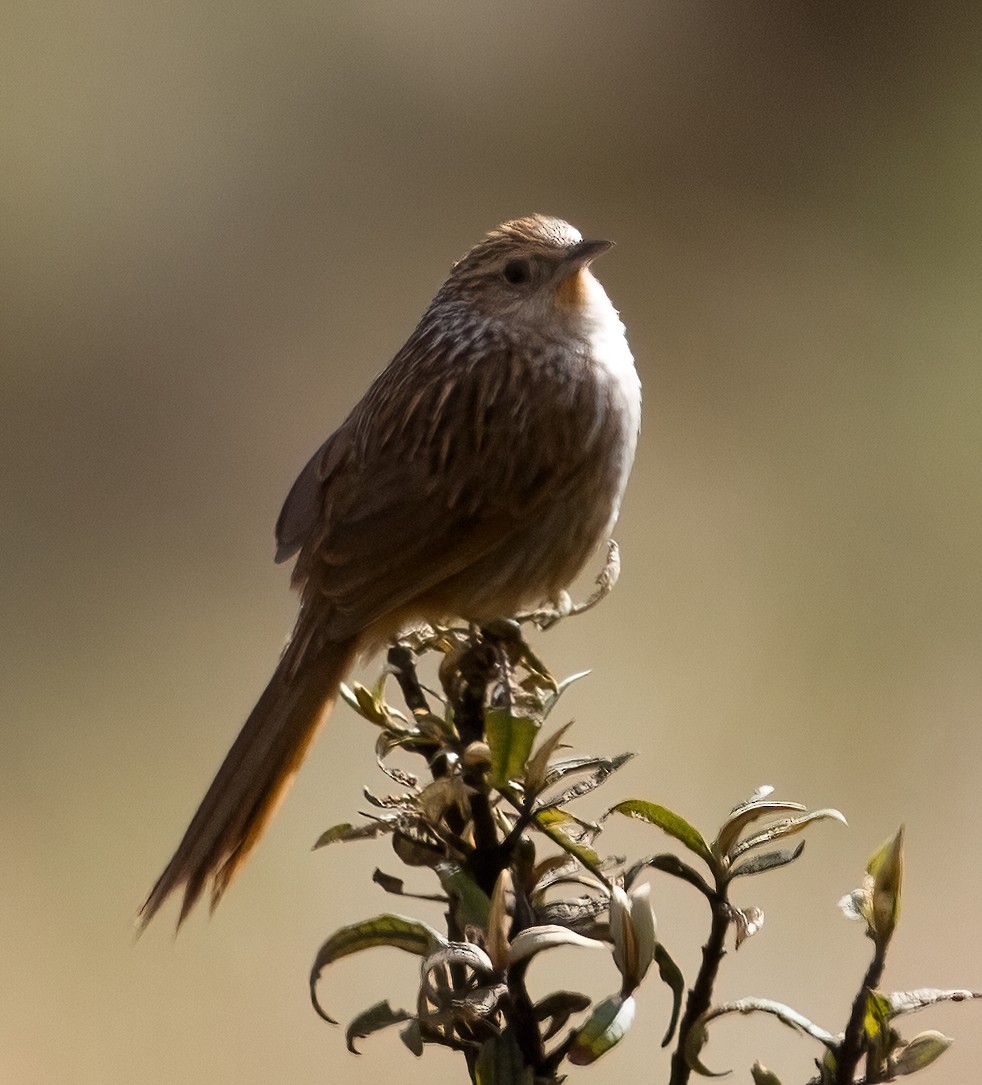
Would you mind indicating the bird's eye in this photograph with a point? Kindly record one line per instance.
(517, 272)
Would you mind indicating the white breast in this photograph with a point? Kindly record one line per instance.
(604, 333)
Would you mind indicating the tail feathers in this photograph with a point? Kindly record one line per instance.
(255, 775)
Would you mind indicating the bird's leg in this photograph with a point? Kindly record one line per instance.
(513, 652)
(403, 666)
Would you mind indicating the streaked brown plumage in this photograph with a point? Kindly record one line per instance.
(476, 476)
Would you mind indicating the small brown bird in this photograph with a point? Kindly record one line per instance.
(477, 475)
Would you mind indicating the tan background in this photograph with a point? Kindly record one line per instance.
(221, 219)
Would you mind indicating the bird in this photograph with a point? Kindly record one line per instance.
(476, 476)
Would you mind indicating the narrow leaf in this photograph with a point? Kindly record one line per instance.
(778, 829)
(902, 1002)
(922, 1050)
(535, 773)
(557, 1009)
(384, 930)
(471, 904)
(346, 832)
(763, 1076)
(605, 766)
(500, 1062)
(412, 1037)
(741, 816)
(886, 868)
(549, 821)
(785, 1014)
(604, 1028)
(397, 888)
(534, 940)
(668, 863)
(668, 821)
(767, 860)
(559, 770)
(374, 1019)
(748, 922)
(671, 974)
(510, 739)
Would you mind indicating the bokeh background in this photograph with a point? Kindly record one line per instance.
(220, 220)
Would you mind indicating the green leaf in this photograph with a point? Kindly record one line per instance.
(921, 1051)
(604, 1028)
(549, 822)
(499, 1062)
(383, 930)
(510, 739)
(763, 1076)
(878, 1014)
(886, 868)
(374, 1019)
(668, 821)
(471, 905)
(368, 703)
(671, 974)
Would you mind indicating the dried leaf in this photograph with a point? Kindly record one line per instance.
(534, 940)
(557, 1009)
(902, 1002)
(767, 860)
(606, 768)
(699, 1033)
(668, 863)
(374, 1019)
(747, 921)
(778, 829)
(535, 772)
(412, 1037)
(559, 770)
(578, 913)
(499, 920)
(346, 832)
(671, 975)
(747, 812)
(396, 887)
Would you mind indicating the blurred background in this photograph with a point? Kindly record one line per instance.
(221, 220)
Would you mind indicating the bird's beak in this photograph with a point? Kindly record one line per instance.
(584, 252)
(573, 274)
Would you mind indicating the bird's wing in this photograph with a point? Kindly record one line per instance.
(432, 473)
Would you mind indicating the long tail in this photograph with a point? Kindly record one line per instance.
(255, 774)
